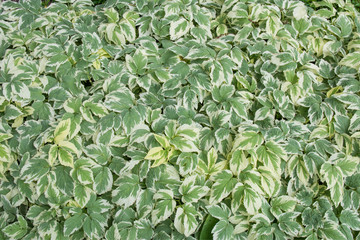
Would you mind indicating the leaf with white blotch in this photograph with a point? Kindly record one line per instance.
(351, 60)
(191, 192)
(83, 174)
(223, 230)
(103, 180)
(221, 212)
(238, 162)
(288, 223)
(283, 203)
(184, 145)
(348, 165)
(222, 187)
(119, 101)
(164, 206)
(82, 194)
(247, 140)
(185, 219)
(18, 229)
(179, 28)
(65, 158)
(330, 231)
(73, 223)
(127, 191)
(99, 152)
(136, 63)
(155, 153)
(62, 130)
(164, 142)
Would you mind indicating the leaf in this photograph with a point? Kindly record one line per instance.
(179, 28)
(68, 146)
(84, 175)
(207, 227)
(82, 194)
(284, 203)
(223, 230)
(73, 223)
(185, 220)
(270, 159)
(119, 101)
(332, 233)
(252, 201)
(35, 168)
(62, 130)
(183, 144)
(221, 212)
(65, 158)
(350, 218)
(332, 174)
(164, 207)
(16, 230)
(100, 153)
(248, 140)
(191, 193)
(155, 153)
(345, 25)
(162, 140)
(224, 183)
(127, 191)
(288, 224)
(137, 63)
(351, 60)
(103, 180)
(53, 153)
(348, 165)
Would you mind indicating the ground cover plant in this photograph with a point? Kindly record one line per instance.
(208, 119)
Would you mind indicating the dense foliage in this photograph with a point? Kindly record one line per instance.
(182, 119)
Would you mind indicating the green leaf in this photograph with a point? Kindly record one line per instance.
(100, 153)
(155, 153)
(162, 140)
(53, 153)
(348, 165)
(345, 25)
(12, 112)
(284, 203)
(252, 201)
(207, 227)
(34, 169)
